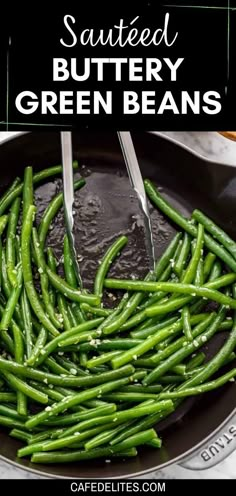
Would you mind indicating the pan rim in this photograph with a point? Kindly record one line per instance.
(18, 134)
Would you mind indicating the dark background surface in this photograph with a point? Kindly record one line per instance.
(202, 41)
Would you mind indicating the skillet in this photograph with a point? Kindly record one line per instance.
(203, 430)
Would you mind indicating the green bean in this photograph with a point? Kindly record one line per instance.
(35, 324)
(149, 301)
(71, 278)
(5, 282)
(76, 417)
(171, 379)
(214, 279)
(77, 331)
(151, 286)
(68, 265)
(51, 171)
(68, 457)
(71, 367)
(190, 272)
(118, 417)
(10, 242)
(135, 320)
(203, 291)
(146, 345)
(116, 312)
(38, 347)
(21, 435)
(11, 423)
(79, 436)
(27, 272)
(208, 264)
(76, 399)
(75, 295)
(190, 373)
(9, 190)
(179, 369)
(176, 345)
(28, 195)
(218, 360)
(136, 299)
(0, 263)
(43, 441)
(130, 397)
(109, 345)
(141, 425)
(104, 437)
(81, 428)
(83, 358)
(137, 388)
(99, 360)
(171, 306)
(104, 266)
(27, 390)
(72, 314)
(216, 271)
(18, 343)
(63, 312)
(100, 312)
(155, 443)
(15, 191)
(10, 198)
(164, 277)
(208, 327)
(199, 278)
(19, 357)
(43, 436)
(52, 365)
(82, 337)
(187, 225)
(187, 324)
(203, 388)
(8, 411)
(52, 210)
(52, 264)
(196, 360)
(3, 223)
(7, 397)
(27, 322)
(78, 313)
(67, 381)
(41, 265)
(171, 330)
(144, 333)
(181, 261)
(11, 303)
(215, 231)
(16, 188)
(136, 440)
(51, 393)
(141, 316)
(165, 259)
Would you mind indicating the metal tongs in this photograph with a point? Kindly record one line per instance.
(68, 192)
(135, 180)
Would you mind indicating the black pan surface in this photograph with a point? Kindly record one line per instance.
(104, 209)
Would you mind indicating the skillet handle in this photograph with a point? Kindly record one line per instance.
(218, 446)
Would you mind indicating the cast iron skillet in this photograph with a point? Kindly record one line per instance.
(105, 208)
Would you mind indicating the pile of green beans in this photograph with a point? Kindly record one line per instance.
(79, 380)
